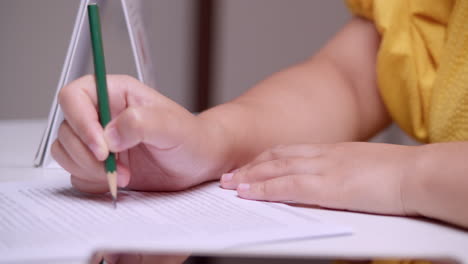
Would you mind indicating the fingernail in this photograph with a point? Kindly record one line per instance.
(227, 177)
(98, 151)
(113, 137)
(236, 170)
(243, 187)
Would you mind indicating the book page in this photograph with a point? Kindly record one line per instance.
(132, 10)
(76, 59)
(49, 220)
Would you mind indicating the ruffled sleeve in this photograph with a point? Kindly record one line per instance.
(418, 45)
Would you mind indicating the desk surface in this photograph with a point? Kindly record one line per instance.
(374, 235)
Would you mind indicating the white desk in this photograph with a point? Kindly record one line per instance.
(374, 236)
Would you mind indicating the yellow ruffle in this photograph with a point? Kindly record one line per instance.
(422, 64)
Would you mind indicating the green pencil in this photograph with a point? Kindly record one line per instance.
(101, 87)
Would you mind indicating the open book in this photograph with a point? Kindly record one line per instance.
(77, 58)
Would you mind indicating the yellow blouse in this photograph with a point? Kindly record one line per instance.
(422, 64)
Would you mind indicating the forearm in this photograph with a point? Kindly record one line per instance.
(306, 103)
(332, 97)
(437, 185)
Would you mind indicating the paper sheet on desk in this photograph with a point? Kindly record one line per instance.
(44, 220)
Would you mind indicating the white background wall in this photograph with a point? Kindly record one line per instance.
(260, 37)
(34, 37)
(256, 38)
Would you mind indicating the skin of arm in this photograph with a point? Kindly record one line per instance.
(438, 185)
(332, 97)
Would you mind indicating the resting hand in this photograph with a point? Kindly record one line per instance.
(349, 176)
(160, 145)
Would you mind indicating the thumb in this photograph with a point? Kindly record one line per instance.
(157, 127)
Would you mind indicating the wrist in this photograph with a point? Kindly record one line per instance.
(217, 143)
(412, 185)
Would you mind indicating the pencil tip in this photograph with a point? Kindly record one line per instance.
(112, 180)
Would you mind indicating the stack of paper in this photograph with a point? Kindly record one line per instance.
(51, 220)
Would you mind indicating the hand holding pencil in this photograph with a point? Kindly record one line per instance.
(161, 145)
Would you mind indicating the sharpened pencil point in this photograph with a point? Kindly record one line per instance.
(112, 180)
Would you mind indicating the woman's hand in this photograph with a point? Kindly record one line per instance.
(349, 176)
(160, 145)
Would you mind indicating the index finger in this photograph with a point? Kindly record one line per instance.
(78, 101)
(284, 151)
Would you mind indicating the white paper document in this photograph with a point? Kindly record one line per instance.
(51, 220)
